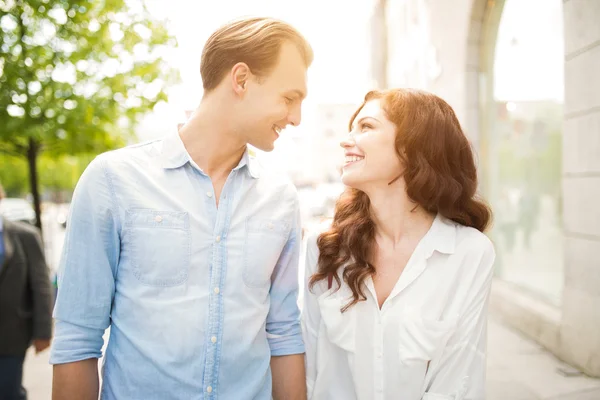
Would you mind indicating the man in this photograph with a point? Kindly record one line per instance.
(25, 302)
(187, 249)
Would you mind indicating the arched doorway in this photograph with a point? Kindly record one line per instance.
(519, 92)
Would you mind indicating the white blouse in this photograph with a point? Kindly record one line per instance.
(427, 342)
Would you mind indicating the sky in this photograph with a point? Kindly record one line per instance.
(529, 62)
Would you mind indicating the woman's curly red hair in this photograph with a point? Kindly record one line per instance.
(439, 173)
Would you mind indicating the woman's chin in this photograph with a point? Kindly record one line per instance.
(351, 181)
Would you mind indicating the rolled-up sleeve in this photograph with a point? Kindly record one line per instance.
(86, 277)
(284, 332)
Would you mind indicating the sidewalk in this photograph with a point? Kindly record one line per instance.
(518, 369)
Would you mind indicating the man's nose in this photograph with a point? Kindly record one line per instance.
(295, 116)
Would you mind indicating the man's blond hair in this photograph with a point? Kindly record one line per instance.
(253, 41)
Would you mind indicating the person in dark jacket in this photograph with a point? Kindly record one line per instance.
(25, 302)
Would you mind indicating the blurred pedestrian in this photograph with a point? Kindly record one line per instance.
(25, 302)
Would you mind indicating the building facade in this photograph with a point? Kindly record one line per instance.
(529, 100)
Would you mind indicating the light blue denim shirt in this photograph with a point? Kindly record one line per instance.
(198, 298)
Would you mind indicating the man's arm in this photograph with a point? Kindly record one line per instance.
(283, 321)
(288, 377)
(76, 381)
(41, 290)
(86, 285)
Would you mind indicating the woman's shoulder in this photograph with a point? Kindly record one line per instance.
(473, 244)
(467, 236)
(313, 232)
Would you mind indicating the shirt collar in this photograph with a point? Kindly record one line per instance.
(441, 236)
(251, 163)
(174, 155)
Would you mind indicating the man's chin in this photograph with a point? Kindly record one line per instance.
(268, 147)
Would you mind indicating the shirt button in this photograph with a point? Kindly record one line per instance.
(218, 239)
(209, 389)
(217, 290)
(209, 194)
(158, 218)
(213, 339)
(270, 225)
(379, 355)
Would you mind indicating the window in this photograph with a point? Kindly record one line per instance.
(525, 136)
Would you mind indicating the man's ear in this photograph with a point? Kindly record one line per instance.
(240, 75)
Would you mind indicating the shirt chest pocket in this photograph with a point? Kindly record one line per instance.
(420, 339)
(160, 246)
(263, 243)
(421, 342)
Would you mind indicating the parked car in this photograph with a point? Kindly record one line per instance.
(15, 209)
(62, 213)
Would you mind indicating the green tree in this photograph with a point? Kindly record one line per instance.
(60, 174)
(57, 174)
(13, 175)
(76, 76)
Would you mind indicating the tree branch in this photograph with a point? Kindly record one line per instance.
(11, 152)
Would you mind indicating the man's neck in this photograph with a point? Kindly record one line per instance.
(211, 141)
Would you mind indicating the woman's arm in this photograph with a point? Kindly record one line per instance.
(461, 372)
(311, 315)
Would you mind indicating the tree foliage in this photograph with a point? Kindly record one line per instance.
(77, 75)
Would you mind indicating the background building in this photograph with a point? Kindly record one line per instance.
(332, 123)
(529, 100)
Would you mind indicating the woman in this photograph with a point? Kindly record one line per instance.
(397, 286)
